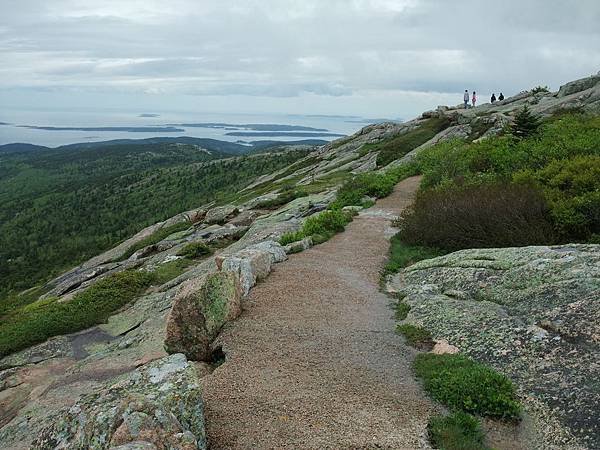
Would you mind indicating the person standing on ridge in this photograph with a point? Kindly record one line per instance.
(493, 99)
(474, 99)
(466, 98)
(501, 96)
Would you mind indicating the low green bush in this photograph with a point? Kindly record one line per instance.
(195, 250)
(458, 431)
(171, 270)
(294, 236)
(402, 255)
(572, 189)
(401, 310)
(40, 321)
(155, 238)
(465, 385)
(477, 216)
(416, 336)
(321, 227)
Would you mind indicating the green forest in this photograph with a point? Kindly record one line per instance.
(59, 207)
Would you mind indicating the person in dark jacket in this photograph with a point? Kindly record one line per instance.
(493, 99)
(501, 97)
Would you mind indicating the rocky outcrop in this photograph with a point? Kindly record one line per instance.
(530, 312)
(221, 214)
(199, 311)
(253, 263)
(158, 406)
(579, 85)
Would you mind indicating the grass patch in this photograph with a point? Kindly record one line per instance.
(458, 431)
(287, 195)
(416, 336)
(155, 238)
(195, 250)
(464, 385)
(396, 147)
(403, 255)
(40, 321)
(171, 270)
(401, 310)
(321, 227)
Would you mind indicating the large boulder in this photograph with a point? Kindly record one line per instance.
(532, 313)
(579, 85)
(199, 311)
(253, 263)
(157, 406)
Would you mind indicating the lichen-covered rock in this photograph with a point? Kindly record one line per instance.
(299, 246)
(252, 263)
(157, 406)
(199, 311)
(221, 214)
(530, 312)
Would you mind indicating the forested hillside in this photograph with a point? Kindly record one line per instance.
(59, 207)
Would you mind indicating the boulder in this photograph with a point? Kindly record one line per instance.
(299, 246)
(221, 214)
(200, 309)
(579, 85)
(252, 263)
(156, 406)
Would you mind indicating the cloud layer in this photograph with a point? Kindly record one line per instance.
(355, 54)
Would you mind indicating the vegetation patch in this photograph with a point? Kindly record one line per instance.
(321, 227)
(478, 216)
(38, 322)
(402, 255)
(401, 310)
(458, 431)
(171, 270)
(416, 336)
(195, 250)
(288, 194)
(464, 385)
(396, 147)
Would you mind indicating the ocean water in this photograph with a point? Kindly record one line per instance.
(16, 131)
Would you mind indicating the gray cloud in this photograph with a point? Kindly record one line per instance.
(377, 52)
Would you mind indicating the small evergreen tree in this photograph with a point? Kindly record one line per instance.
(526, 124)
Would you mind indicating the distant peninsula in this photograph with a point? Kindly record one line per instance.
(281, 134)
(249, 126)
(162, 129)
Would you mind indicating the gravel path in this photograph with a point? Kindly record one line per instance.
(313, 362)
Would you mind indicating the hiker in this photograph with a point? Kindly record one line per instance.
(493, 99)
(466, 98)
(501, 97)
(474, 99)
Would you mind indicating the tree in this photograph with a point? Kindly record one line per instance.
(526, 124)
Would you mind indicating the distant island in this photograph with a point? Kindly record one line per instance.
(281, 134)
(248, 126)
(163, 129)
(149, 115)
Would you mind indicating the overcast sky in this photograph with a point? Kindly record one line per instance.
(375, 58)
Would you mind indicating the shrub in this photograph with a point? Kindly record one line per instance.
(195, 250)
(456, 162)
(465, 385)
(402, 255)
(396, 147)
(458, 431)
(155, 238)
(572, 188)
(288, 238)
(480, 216)
(539, 89)
(401, 310)
(525, 124)
(171, 270)
(416, 336)
(326, 222)
(36, 323)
